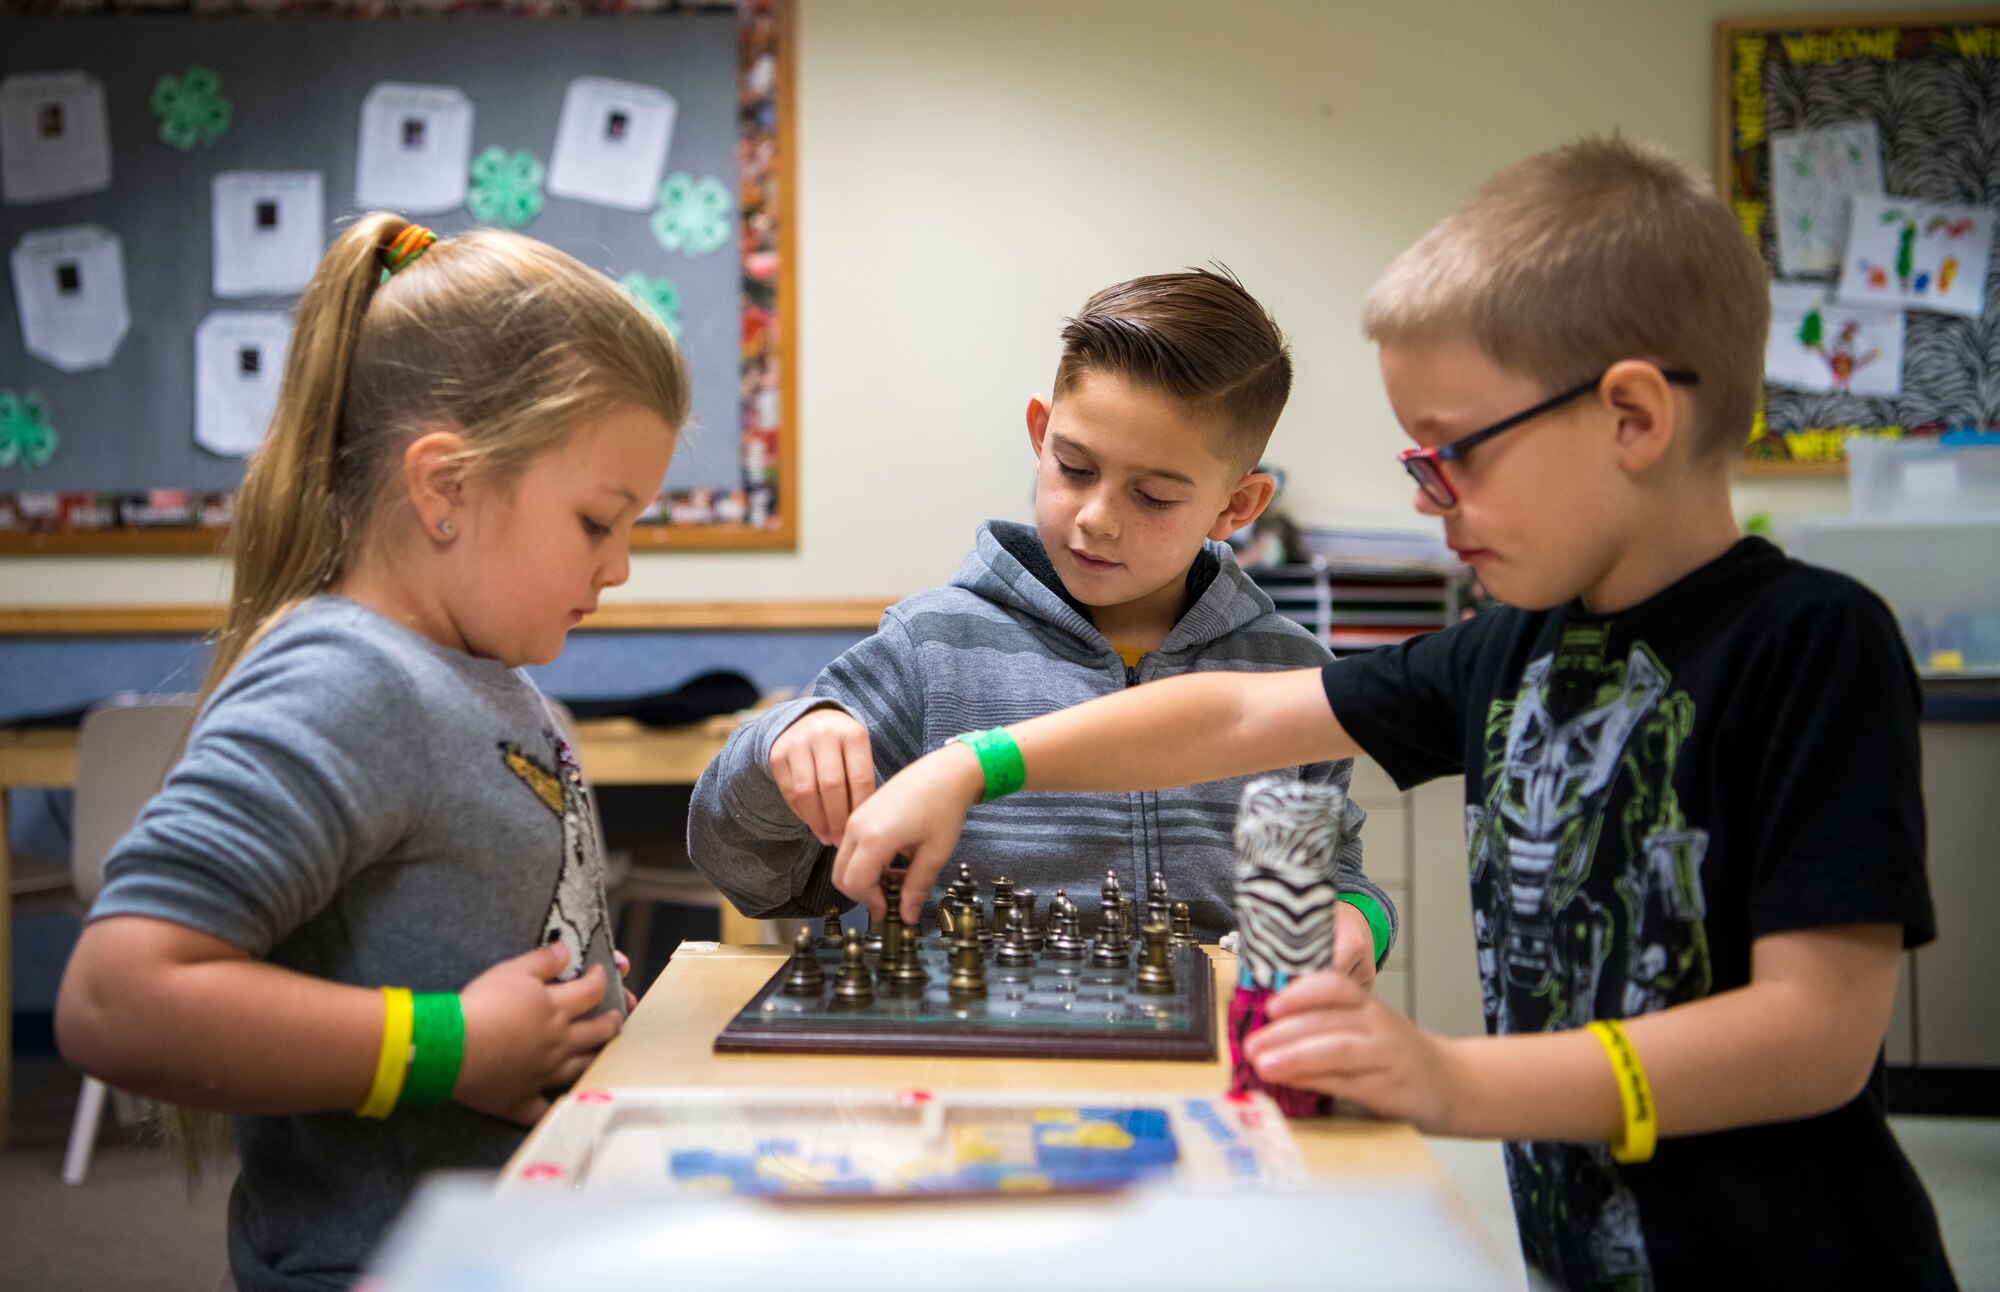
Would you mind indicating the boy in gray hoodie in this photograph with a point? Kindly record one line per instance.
(1167, 391)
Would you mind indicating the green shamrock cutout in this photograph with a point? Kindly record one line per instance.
(506, 187)
(192, 108)
(695, 216)
(658, 295)
(26, 438)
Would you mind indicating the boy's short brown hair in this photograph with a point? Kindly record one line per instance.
(1197, 337)
(1602, 250)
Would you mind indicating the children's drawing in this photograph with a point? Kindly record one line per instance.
(1814, 177)
(1917, 255)
(1816, 344)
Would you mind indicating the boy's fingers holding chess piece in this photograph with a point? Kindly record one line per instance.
(918, 815)
(825, 767)
(526, 1034)
(1329, 1033)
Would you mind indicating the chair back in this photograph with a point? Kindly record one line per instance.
(124, 750)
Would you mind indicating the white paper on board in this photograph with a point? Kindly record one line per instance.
(1905, 254)
(1820, 345)
(239, 358)
(69, 285)
(53, 138)
(1814, 177)
(416, 148)
(611, 143)
(269, 229)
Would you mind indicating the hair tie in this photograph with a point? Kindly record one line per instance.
(412, 242)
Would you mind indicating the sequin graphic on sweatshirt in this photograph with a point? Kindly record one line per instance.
(576, 913)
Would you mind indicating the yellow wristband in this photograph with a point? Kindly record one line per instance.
(1642, 1129)
(393, 1063)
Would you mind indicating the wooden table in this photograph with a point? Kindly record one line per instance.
(667, 1042)
(613, 751)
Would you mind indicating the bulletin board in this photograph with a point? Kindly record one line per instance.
(1918, 94)
(118, 441)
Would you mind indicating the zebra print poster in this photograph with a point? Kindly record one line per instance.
(1932, 89)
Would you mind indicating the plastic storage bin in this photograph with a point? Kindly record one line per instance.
(1940, 574)
(1921, 477)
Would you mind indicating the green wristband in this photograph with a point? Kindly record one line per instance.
(437, 1044)
(999, 761)
(1378, 920)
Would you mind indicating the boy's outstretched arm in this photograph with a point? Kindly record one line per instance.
(1177, 731)
(1798, 1041)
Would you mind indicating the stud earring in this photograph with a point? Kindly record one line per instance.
(444, 528)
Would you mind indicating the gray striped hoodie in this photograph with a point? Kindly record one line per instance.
(1001, 644)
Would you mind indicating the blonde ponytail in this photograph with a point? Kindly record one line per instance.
(291, 524)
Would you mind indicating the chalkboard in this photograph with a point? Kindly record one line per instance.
(1928, 87)
(127, 473)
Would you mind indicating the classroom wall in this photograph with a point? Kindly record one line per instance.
(970, 171)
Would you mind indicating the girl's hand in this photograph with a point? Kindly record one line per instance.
(824, 767)
(624, 976)
(1329, 1033)
(918, 813)
(526, 1034)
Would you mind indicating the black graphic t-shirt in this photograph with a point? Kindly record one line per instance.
(1647, 793)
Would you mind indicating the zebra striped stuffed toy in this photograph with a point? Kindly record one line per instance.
(1288, 834)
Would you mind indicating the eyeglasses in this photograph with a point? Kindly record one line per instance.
(1426, 466)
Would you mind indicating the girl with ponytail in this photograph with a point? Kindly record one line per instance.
(365, 915)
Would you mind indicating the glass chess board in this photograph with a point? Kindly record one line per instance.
(854, 1144)
(1051, 1009)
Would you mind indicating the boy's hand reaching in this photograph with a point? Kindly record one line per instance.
(918, 814)
(1353, 944)
(824, 767)
(526, 1034)
(1330, 1033)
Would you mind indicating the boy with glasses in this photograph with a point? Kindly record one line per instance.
(1694, 826)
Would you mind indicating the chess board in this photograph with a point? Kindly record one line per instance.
(1051, 1009)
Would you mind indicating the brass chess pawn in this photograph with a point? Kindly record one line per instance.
(1156, 971)
(830, 936)
(806, 978)
(1064, 942)
(1183, 924)
(852, 987)
(1014, 950)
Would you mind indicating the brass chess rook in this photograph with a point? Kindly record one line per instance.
(968, 964)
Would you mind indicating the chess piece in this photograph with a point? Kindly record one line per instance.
(1127, 920)
(871, 941)
(902, 971)
(1183, 924)
(1111, 948)
(1288, 834)
(968, 964)
(1159, 908)
(1014, 951)
(806, 978)
(1064, 942)
(893, 928)
(852, 987)
(1110, 897)
(830, 936)
(1031, 933)
(1156, 971)
(1003, 903)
